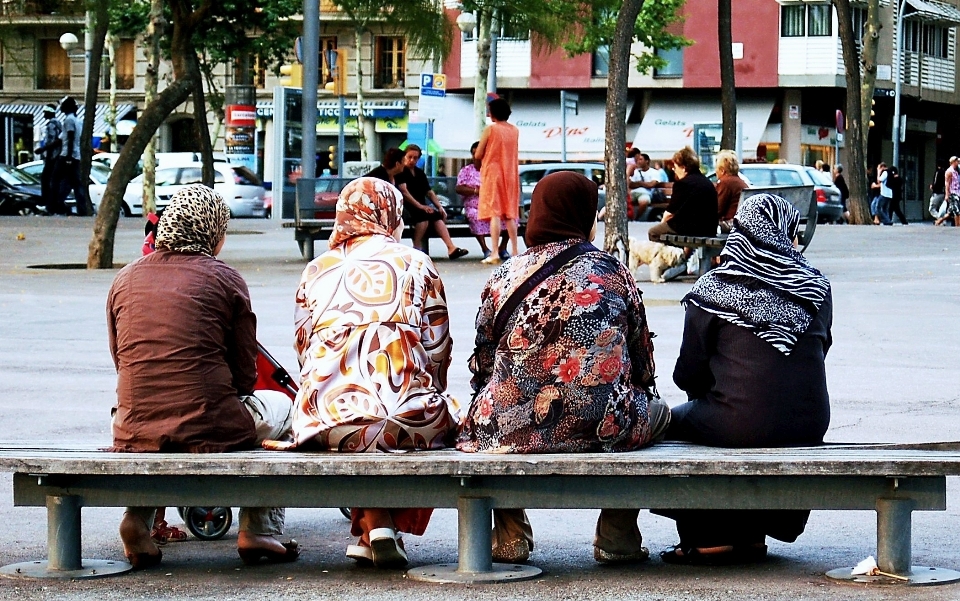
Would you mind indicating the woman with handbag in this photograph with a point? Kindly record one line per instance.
(755, 336)
(373, 339)
(563, 360)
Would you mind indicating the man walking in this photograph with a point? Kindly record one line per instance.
(68, 166)
(49, 151)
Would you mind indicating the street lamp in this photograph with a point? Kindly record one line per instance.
(68, 42)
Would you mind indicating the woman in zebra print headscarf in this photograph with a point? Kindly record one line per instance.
(756, 333)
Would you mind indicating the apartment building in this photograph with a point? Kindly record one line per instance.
(790, 85)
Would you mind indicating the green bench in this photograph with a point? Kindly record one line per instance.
(892, 480)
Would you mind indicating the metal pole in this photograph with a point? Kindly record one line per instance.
(311, 67)
(897, 84)
(431, 159)
(63, 533)
(474, 523)
(494, 36)
(893, 535)
(341, 137)
(87, 48)
(563, 126)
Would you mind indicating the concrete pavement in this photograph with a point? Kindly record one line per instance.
(892, 377)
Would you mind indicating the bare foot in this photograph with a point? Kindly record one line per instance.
(136, 536)
(248, 540)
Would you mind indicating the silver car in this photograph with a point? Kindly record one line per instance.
(829, 205)
(532, 173)
(240, 188)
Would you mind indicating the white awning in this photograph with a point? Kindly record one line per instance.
(931, 11)
(36, 110)
(539, 122)
(668, 124)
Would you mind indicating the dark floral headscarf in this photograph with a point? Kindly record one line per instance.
(367, 206)
(195, 221)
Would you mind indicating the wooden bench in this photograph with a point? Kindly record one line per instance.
(890, 479)
(307, 231)
(709, 247)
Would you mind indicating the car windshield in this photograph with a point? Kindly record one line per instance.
(99, 173)
(15, 177)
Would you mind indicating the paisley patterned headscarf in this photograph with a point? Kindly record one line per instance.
(366, 206)
(195, 221)
(763, 284)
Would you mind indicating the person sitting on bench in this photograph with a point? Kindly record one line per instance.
(563, 360)
(756, 334)
(693, 204)
(373, 338)
(183, 338)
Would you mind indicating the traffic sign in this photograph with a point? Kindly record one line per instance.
(433, 89)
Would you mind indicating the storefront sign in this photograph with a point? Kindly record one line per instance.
(240, 136)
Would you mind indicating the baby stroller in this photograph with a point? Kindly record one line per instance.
(211, 523)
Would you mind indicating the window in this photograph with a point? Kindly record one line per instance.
(601, 61)
(513, 31)
(929, 39)
(191, 175)
(782, 177)
(54, 71)
(792, 21)
(819, 20)
(391, 67)
(244, 177)
(166, 177)
(248, 70)
(1, 66)
(858, 17)
(125, 65)
(673, 66)
(326, 76)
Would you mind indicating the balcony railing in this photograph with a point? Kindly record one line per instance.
(39, 8)
(55, 81)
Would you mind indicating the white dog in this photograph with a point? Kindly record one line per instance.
(658, 256)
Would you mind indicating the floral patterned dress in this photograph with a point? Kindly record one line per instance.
(470, 176)
(574, 370)
(374, 345)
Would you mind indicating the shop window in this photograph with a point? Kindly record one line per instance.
(793, 21)
(54, 67)
(673, 66)
(601, 61)
(819, 20)
(391, 66)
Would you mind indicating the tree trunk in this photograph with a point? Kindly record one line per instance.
(856, 171)
(113, 44)
(154, 31)
(182, 51)
(615, 221)
(484, 29)
(100, 252)
(871, 46)
(200, 124)
(728, 90)
(102, 22)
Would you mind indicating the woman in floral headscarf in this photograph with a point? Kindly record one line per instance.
(374, 345)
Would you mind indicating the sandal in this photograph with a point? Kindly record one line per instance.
(457, 253)
(163, 533)
(692, 556)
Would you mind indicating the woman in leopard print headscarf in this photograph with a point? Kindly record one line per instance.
(195, 221)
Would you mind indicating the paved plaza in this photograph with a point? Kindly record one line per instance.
(893, 376)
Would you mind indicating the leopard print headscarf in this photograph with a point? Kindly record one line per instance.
(194, 221)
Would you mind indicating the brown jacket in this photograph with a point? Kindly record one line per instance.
(728, 196)
(183, 339)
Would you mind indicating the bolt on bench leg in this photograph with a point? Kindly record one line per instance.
(894, 552)
(63, 548)
(475, 565)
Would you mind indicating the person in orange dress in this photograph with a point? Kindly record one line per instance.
(499, 153)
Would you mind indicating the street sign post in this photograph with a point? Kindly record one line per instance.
(433, 89)
(569, 101)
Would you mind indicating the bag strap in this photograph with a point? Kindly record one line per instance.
(545, 271)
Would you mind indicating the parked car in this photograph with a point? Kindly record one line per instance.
(829, 205)
(19, 192)
(99, 174)
(532, 173)
(240, 188)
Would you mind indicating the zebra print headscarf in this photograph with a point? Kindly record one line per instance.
(763, 283)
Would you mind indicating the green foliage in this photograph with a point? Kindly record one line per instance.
(422, 22)
(598, 21)
(239, 28)
(128, 18)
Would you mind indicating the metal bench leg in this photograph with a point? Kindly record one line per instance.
(63, 548)
(306, 248)
(894, 553)
(474, 543)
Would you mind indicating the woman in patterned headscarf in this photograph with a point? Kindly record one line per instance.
(756, 335)
(183, 339)
(374, 345)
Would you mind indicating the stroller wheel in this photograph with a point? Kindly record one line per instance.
(346, 512)
(207, 523)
